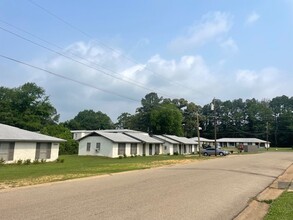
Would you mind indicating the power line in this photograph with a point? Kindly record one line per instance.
(105, 45)
(82, 63)
(67, 78)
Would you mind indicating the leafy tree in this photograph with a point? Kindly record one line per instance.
(59, 131)
(166, 119)
(27, 107)
(125, 121)
(90, 120)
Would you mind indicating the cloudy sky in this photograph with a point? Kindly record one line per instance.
(107, 55)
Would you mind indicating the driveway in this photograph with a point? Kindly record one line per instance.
(212, 189)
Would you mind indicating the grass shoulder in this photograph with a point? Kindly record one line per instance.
(74, 166)
(281, 208)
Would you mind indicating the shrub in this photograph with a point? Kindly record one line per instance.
(27, 162)
(132, 155)
(168, 154)
(120, 157)
(58, 160)
(143, 155)
(43, 160)
(2, 161)
(36, 161)
(176, 153)
(19, 162)
(124, 155)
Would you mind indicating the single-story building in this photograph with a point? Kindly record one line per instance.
(169, 146)
(186, 146)
(150, 145)
(19, 144)
(203, 141)
(100, 143)
(235, 142)
(78, 134)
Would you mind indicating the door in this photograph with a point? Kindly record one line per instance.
(150, 149)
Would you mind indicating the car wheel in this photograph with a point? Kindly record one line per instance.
(221, 154)
(205, 154)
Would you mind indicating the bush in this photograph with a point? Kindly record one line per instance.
(27, 162)
(176, 153)
(120, 157)
(19, 162)
(43, 160)
(168, 154)
(58, 160)
(36, 161)
(2, 161)
(124, 155)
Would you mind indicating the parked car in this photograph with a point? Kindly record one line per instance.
(211, 151)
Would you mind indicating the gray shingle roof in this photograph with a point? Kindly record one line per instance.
(202, 139)
(161, 137)
(182, 140)
(10, 133)
(144, 137)
(115, 137)
(244, 140)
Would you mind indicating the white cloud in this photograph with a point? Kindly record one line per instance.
(252, 18)
(229, 45)
(211, 26)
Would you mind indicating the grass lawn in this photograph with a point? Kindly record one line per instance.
(281, 208)
(81, 166)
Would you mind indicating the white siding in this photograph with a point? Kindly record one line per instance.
(27, 150)
(106, 146)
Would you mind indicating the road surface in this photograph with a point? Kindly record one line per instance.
(211, 189)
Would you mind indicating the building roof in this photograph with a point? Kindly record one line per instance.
(115, 137)
(144, 137)
(241, 140)
(182, 140)
(161, 137)
(202, 139)
(107, 130)
(10, 133)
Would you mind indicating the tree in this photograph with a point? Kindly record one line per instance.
(90, 120)
(27, 107)
(125, 121)
(166, 119)
(59, 131)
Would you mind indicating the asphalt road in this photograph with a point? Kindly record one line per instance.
(212, 189)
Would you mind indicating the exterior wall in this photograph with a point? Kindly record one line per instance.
(107, 147)
(27, 150)
(169, 148)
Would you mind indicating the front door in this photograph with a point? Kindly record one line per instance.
(150, 149)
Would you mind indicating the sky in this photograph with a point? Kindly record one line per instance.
(107, 55)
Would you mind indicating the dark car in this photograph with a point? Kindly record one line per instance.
(211, 151)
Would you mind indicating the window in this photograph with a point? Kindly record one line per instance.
(133, 149)
(98, 147)
(121, 148)
(7, 150)
(43, 151)
(88, 146)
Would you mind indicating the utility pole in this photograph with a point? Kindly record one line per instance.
(267, 133)
(213, 108)
(198, 134)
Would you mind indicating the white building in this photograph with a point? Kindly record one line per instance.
(186, 146)
(203, 141)
(18, 144)
(169, 146)
(150, 145)
(234, 142)
(100, 143)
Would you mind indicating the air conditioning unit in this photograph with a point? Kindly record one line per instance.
(97, 150)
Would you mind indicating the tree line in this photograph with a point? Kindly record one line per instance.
(29, 107)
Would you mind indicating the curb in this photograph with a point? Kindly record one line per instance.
(259, 206)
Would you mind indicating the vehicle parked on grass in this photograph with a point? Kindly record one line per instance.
(211, 151)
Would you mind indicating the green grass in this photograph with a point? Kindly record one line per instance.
(281, 208)
(282, 149)
(80, 166)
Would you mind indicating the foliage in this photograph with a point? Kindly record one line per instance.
(26, 107)
(90, 120)
(59, 131)
(281, 208)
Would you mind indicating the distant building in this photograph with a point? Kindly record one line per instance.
(235, 142)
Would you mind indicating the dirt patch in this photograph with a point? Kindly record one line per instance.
(170, 162)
